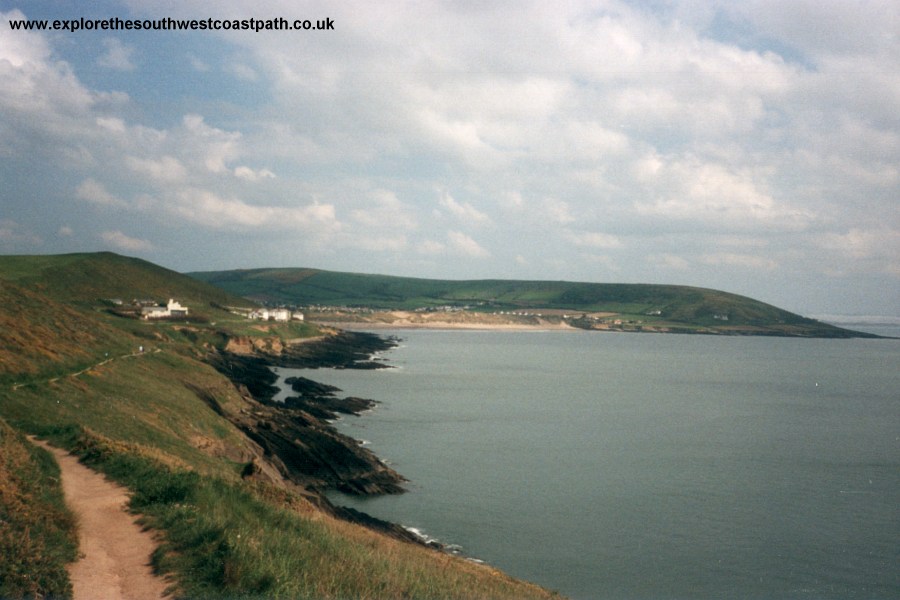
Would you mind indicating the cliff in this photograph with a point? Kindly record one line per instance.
(296, 434)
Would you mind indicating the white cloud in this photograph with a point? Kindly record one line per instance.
(395, 243)
(607, 262)
(462, 244)
(198, 64)
(591, 239)
(117, 55)
(669, 261)
(210, 210)
(881, 243)
(12, 232)
(165, 170)
(41, 100)
(94, 192)
(113, 125)
(215, 147)
(712, 194)
(384, 211)
(120, 241)
(248, 174)
(431, 247)
(748, 261)
(555, 211)
(22, 48)
(463, 210)
(243, 72)
(512, 200)
(756, 150)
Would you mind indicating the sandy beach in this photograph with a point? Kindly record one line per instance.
(443, 320)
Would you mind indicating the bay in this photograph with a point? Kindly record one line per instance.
(645, 465)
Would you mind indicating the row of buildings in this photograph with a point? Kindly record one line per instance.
(275, 314)
(173, 309)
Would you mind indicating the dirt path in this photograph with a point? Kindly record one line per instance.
(115, 553)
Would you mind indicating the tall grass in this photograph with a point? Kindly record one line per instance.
(37, 532)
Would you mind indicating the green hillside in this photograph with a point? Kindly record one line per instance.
(654, 307)
(176, 410)
(66, 301)
(85, 278)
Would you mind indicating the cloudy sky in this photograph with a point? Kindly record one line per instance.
(748, 146)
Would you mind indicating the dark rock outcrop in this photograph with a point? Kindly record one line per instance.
(319, 399)
(311, 453)
(296, 435)
(344, 350)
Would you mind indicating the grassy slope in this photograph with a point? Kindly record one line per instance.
(144, 418)
(85, 278)
(678, 306)
(37, 532)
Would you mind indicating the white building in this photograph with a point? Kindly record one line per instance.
(154, 312)
(175, 309)
(273, 314)
(280, 314)
(171, 309)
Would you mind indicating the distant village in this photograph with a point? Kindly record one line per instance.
(275, 314)
(152, 309)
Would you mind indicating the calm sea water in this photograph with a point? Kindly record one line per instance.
(646, 466)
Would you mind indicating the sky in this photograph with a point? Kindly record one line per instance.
(752, 147)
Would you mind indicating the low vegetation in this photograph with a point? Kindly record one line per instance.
(38, 534)
(138, 400)
(231, 538)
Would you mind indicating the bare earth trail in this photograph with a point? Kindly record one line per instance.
(115, 552)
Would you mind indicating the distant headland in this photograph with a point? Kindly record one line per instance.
(354, 300)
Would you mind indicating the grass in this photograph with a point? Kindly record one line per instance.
(69, 371)
(147, 400)
(136, 421)
(37, 532)
(85, 278)
(42, 337)
(240, 540)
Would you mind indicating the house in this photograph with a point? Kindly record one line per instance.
(272, 314)
(280, 314)
(175, 309)
(154, 312)
(171, 309)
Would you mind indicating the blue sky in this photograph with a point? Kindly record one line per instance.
(747, 146)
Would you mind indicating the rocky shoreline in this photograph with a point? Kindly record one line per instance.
(296, 435)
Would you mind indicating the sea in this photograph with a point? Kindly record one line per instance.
(617, 465)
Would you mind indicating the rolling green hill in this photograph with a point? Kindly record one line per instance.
(64, 301)
(653, 307)
(85, 278)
